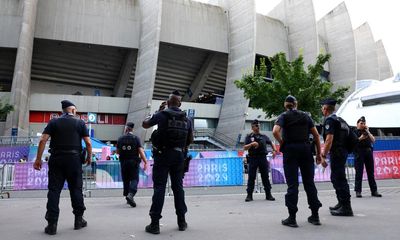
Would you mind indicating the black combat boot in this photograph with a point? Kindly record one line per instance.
(376, 194)
(182, 225)
(336, 207)
(358, 194)
(51, 228)
(249, 197)
(130, 200)
(269, 197)
(344, 210)
(79, 223)
(153, 227)
(290, 221)
(314, 218)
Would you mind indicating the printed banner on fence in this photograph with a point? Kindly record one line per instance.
(13, 154)
(387, 164)
(28, 178)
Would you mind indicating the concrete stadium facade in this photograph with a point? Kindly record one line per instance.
(121, 58)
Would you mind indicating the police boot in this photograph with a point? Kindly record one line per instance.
(269, 197)
(51, 228)
(376, 194)
(290, 221)
(79, 223)
(182, 225)
(344, 210)
(336, 207)
(249, 197)
(153, 227)
(130, 200)
(358, 194)
(314, 218)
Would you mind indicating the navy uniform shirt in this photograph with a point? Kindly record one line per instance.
(365, 143)
(128, 146)
(262, 141)
(330, 126)
(66, 132)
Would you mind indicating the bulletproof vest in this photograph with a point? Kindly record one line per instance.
(341, 132)
(296, 128)
(262, 146)
(177, 129)
(366, 143)
(67, 134)
(127, 146)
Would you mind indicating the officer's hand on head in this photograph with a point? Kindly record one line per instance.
(37, 165)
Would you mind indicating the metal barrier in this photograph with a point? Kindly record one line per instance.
(6, 179)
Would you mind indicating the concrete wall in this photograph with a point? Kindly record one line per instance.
(336, 30)
(367, 57)
(104, 22)
(299, 17)
(65, 89)
(194, 24)
(10, 22)
(271, 36)
(385, 68)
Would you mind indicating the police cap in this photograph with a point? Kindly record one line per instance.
(255, 122)
(362, 119)
(290, 99)
(66, 103)
(130, 125)
(176, 93)
(329, 101)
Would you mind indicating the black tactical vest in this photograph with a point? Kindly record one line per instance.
(127, 147)
(177, 129)
(67, 134)
(262, 146)
(340, 134)
(296, 128)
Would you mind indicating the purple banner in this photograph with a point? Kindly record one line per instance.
(13, 154)
(28, 178)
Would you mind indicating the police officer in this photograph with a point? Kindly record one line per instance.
(174, 134)
(363, 156)
(65, 163)
(296, 148)
(130, 152)
(256, 144)
(335, 140)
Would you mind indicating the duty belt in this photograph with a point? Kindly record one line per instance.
(64, 151)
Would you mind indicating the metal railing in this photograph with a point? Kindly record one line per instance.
(221, 138)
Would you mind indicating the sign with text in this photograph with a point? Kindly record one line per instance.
(13, 154)
(387, 164)
(28, 178)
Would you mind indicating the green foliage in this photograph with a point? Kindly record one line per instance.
(289, 78)
(4, 110)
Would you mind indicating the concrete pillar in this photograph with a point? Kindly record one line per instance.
(385, 68)
(146, 66)
(241, 59)
(125, 73)
(20, 89)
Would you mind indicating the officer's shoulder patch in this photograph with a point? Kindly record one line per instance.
(327, 126)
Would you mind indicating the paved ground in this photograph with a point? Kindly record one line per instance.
(214, 213)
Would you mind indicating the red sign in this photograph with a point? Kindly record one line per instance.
(102, 118)
(387, 164)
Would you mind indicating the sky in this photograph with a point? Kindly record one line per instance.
(382, 16)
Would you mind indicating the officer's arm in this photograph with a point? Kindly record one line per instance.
(249, 144)
(315, 134)
(143, 157)
(42, 144)
(371, 137)
(328, 145)
(88, 144)
(276, 131)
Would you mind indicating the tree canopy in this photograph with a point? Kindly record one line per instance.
(289, 78)
(4, 110)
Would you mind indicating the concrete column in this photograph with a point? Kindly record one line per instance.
(385, 68)
(241, 59)
(146, 66)
(125, 73)
(20, 89)
(336, 29)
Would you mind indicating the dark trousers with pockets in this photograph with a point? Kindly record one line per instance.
(169, 162)
(338, 158)
(130, 176)
(64, 167)
(260, 163)
(299, 156)
(363, 156)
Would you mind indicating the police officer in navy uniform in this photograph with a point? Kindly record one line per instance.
(335, 140)
(174, 134)
(256, 144)
(364, 156)
(130, 152)
(296, 148)
(65, 163)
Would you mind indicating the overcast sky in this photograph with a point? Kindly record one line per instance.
(382, 16)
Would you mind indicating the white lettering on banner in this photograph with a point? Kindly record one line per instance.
(10, 154)
(212, 172)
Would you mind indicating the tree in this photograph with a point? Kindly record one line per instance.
(4, 110)
(289, 78)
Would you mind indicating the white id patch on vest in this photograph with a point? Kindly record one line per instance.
(327, 126)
